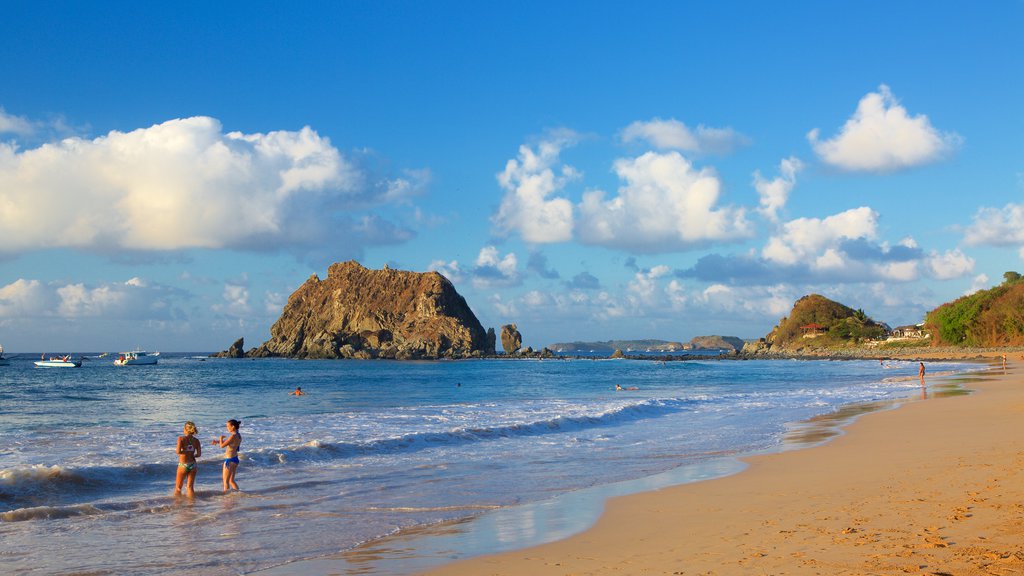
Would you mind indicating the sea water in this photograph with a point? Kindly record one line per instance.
(87, 456)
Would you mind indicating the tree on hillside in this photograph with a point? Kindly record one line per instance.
(1010, 277)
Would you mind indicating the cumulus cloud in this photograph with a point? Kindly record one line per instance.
(997, 227)
(18, 125)
(774, 194)
(882, 136)
(808, 239)
(188, 184)
(674, 135)
(450, 269)
(133, 299)
(235, 298)
(493, 270)
(839, 248)
(950, 264)
(530, 181)
(664, 205)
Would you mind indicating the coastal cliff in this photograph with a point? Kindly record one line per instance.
(360, 313)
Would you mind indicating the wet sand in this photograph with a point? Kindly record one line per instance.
(935, 487)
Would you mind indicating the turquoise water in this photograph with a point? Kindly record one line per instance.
(87, 463)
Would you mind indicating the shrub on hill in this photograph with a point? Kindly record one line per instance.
(993, 317)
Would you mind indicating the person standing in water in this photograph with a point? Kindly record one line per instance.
(230, 446)
(189, 448)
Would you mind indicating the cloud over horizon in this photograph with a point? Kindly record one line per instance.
(882, 136)
(187, 184)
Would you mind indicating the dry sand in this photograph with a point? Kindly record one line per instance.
(935, 487)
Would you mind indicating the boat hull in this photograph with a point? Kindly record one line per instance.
(58, 363)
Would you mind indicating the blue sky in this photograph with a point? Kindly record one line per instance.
(169, 174)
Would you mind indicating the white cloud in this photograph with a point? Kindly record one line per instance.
(529, 182)
(187, 184)
(980, 282)
(882, 137)
(10, 124)
(809, 239)
(951, 264)
(134, 299)
(27, 299)
(449, 270)
(493, 270)
(774, 193)
(665, 205)
(235, 300)
(997, 226)
(673, 134)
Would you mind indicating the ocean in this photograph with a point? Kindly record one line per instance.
(87, 460)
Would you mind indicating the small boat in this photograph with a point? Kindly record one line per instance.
(4, 361)
(59, 362)
(136, 358)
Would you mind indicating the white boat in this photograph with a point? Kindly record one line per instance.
(136, 358)
(59, 362)
(4, 361)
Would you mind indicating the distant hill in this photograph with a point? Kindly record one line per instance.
(823, 322)
(610, 346)
(993, 317)
(716, 343)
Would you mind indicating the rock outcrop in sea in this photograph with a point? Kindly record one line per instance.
(360, 313)
(237, 350)
(511, 339)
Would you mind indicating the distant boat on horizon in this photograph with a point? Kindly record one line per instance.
(59, 362)
(3, 361)
(136, 358)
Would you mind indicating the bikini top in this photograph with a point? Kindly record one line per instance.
(189, 446)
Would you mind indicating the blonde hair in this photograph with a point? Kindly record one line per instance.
(190, 428)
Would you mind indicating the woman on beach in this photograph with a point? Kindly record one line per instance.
(230, 446)
(189, 448)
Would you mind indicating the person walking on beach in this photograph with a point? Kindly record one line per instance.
(189, 448)
(920, 371)
(230, 446)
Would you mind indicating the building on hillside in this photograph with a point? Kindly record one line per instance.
(910, 332)
(812, 330)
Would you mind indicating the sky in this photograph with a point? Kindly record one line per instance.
(171, 172)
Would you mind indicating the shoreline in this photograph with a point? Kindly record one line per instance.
(935, 487)
(436, 548)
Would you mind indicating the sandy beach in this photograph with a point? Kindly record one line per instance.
(934, 487)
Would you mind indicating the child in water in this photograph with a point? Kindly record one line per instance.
(189, 448)
(230, 446)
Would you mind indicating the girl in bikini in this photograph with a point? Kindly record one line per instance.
(188, 450)
(230, 446)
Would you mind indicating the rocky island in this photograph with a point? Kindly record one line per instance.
(360, 313)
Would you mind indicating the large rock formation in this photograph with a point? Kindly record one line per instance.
(360, 313)
(511, 339)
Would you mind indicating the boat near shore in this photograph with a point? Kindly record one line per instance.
(4, 361)
(59, 362)
(136, 358)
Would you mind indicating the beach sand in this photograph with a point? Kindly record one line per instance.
(935, 487)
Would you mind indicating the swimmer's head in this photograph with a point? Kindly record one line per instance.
(190, 428)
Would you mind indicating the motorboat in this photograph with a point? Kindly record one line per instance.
(4, 361)
(136, 358)
(59, 362)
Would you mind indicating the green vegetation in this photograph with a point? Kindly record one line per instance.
(993, 317)
(841, 325)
